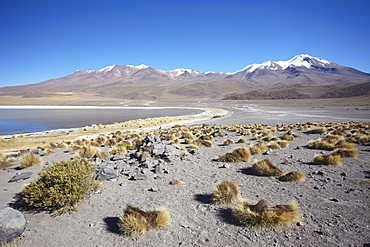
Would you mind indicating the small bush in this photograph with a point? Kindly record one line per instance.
(259, 215)
(293, 177)
(327, 159)
(226, 192)
(61, 186)
(240, 154)
(134, 221)
(29, 159)
(266, 168)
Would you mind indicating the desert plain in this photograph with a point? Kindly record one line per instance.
(333, 200)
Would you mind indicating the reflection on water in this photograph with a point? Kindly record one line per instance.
(13, 121)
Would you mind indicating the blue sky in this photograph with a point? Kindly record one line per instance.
(46, 39)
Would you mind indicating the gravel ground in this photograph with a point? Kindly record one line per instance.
(334, 204)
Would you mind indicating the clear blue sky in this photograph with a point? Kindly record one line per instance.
(45, 39)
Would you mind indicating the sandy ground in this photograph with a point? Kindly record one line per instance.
(334, 206)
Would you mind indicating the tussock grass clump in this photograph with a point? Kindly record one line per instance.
(29, 159)
(203, 143)
(218, 134)
(193, 146)
(346, 153)
(226, 192)
(73, 148)
(317, 130)
(258, 148)
(287, 137)
(273, 145)
(118, 149)
(293, 177)
(87, 151)
(5, 164)
(320, 144)
(345, 145)
(242, 140)
(266, 168)
(241, 154)
(327, 159)
(283, 143)
(294, 134)
(259, 215)
(61, 186)
(134, 221)
(228, 142)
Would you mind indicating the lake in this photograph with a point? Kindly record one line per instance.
(26, 120)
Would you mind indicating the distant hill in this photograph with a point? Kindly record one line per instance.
(303, 76)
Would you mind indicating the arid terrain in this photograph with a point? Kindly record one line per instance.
(333, 200)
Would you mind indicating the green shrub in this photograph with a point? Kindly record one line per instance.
(61, 186)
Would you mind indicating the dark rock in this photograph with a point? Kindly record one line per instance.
(334, 200)
(139, 177)
(20, 176)
(12, 224)
(343, 174)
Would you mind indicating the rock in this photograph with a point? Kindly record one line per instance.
(343, 174)
(118, 157)
(158, 148)
(299, 223)
(139, 177)
(324, 232)
(12, 224)
(334, 200)
(107, 173)
(153, 190)
(157, 169)
(20, 176)
(225, 166)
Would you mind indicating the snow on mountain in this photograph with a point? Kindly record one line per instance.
(302, 60)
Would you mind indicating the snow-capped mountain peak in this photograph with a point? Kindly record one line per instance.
(302, 60)
(141, 66)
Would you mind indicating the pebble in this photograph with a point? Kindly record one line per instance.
(153, 190)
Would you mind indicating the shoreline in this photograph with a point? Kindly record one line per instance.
(43, 137)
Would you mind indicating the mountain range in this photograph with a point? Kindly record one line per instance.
(303, 76)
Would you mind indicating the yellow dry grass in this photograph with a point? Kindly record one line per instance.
(134, 221)
(265, 168)
(29, 159)
(259, 215)
(226, 192)
(241, 154)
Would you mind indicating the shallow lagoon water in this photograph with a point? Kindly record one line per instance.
(26, 120)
